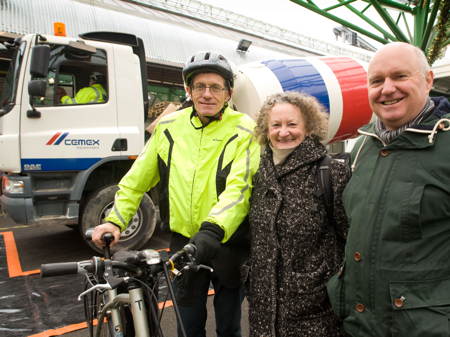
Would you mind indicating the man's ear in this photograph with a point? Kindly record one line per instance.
(230, 93)
(429, 78)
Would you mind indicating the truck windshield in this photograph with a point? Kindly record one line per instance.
(8, 94)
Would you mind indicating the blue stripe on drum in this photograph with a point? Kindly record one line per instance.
(300, 75)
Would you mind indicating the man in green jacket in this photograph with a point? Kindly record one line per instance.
(395, 280)
(94, 93)
(204, 158)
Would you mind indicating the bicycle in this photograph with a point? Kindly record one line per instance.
(121, 291)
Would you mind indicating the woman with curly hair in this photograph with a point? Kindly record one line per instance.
(296, 246)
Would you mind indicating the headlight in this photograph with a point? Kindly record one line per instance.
(12, 186)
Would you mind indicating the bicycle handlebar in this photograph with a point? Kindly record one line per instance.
(69, 268)
(56, 269)
(188, 249)
(107, 237)
(130, 263)
(101, 275)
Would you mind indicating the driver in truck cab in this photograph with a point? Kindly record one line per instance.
(94, 93)
(204, 158)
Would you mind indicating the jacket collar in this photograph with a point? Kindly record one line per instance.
(310, 150)
(417, 137)
(197, 123)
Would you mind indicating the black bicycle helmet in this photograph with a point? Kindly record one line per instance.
(206, 62)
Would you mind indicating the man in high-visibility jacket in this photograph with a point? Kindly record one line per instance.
(204, 158)
(94, 93)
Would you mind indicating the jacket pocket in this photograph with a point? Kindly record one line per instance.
(420, 308)
(336, 292)
(410, 212)
(302, 296)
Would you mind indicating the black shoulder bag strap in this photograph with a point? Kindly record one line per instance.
(325, 186)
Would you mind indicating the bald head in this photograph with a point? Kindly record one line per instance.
(399, 81)
(408, 50)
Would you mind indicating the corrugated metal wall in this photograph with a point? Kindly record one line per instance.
(169, 39)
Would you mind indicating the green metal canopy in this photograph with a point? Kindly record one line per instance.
(391, 20)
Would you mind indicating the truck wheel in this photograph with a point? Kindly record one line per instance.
(140, 228)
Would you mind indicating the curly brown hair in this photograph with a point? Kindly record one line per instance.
(314, 114)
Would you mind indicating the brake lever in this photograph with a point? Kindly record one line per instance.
(111, 283)
(197, 267)
(103, 286)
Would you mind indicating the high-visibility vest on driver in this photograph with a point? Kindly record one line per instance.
(93, 94)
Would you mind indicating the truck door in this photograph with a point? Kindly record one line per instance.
(75, 124)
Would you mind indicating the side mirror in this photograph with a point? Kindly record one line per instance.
(40, 58)
(37, 88)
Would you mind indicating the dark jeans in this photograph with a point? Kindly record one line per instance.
(227, 307)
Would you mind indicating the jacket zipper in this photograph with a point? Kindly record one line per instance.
(193, 178)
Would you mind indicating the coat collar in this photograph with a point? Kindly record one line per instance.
(416, 137)
(310, 150)
(197, 123)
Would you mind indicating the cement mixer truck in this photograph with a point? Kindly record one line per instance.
(61, 163)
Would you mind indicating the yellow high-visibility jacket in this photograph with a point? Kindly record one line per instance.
(205, 173)
(93, 94)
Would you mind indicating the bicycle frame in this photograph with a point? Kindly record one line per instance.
(135, 299)
(139, 271)
(145, 323)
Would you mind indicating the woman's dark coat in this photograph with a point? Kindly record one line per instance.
(294, 250)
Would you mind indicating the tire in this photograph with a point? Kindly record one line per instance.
(139, 230)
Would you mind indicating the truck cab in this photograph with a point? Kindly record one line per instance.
(61, 159)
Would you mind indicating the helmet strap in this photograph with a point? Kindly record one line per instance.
(216, 117)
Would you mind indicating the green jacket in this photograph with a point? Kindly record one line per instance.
(205, 173)
(93, 94)
(395, 280)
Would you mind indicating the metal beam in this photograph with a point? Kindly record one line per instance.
(389, 22)
(311, 6)
(393, 4)
(343, 3)
(385, 33)
(430, 25)
(424, 13)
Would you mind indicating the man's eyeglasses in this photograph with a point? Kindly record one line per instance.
(200, 88)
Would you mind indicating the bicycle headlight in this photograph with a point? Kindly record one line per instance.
(151, 256)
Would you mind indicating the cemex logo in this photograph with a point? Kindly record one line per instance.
(59, 138)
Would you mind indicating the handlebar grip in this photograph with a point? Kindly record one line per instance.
(189, 249)
(108, 238)
(88, 234)
(61, 268)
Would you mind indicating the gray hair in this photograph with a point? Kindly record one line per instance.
(423, 61)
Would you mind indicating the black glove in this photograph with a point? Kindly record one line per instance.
(207, 241)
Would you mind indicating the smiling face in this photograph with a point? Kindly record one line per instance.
(207, 99)
(286, 126)
(398, 84)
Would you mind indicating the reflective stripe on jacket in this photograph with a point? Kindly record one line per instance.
(205, 174)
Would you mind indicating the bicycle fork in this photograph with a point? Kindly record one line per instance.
(135, 299)
(117, 323)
